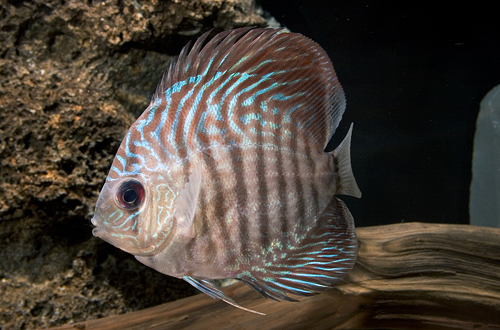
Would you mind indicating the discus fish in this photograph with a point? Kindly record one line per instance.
(224, 175)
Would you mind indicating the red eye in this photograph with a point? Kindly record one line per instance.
(130, 195)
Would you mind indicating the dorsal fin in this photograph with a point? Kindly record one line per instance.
(257, 82)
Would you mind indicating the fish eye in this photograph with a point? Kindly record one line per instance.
(130, 195)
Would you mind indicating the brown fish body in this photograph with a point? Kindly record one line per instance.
(224, 174)
(236, 195)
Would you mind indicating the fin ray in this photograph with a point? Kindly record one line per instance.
(186, 202)
(347, 182)
(264, 82)
(211, 289)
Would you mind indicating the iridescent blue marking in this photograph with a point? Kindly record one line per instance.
(263, 106)
(180, 107)
(286, 117)
(176, 88)
(163, 119)
(197, 100)
(243, 59)
(330, 248)
(261, 64)
(302, 258)
(136, 170)
(247, 118)
(156, 133)
(304, 282)
(121, 160)
(327, 277)
(130, 236)
(109, 219)
(224, 58)
(214, 109)
(285, 286)
(127, 219)
(330, 269)
(327, 255)
(129, 153)
(252, 98)
(209, 65)
(306, 263)
(232, 104)
(242, 78)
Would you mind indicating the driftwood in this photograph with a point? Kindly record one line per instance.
(408, 276)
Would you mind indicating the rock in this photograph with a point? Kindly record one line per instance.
(74, 75)
(484, 205)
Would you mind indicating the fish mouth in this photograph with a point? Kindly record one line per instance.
(97, 232)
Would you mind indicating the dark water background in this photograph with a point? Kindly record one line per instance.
(413, 75)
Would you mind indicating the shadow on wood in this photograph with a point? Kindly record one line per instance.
(408, 276)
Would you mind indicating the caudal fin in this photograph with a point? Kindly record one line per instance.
(347, 183)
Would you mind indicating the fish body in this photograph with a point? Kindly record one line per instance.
(224, 174)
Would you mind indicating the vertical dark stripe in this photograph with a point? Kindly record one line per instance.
(236, 161)
(217, 202)
(314, 199)
(282, 187)
(300, 207)
(336, 175)
(203, 229)
(262, 190)
(187, 169)
(237, 169)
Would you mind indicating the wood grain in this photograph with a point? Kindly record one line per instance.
(408, 276)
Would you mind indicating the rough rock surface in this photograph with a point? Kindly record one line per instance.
(73, 76)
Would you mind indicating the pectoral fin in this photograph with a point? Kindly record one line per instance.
(186, 202)
(210, 288)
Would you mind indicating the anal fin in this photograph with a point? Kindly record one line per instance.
(324, 257)
(211, 289)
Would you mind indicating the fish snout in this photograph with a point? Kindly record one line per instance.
(96, 231)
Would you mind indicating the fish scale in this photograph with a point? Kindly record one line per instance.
(224, 174)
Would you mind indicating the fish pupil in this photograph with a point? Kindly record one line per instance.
(130, 194)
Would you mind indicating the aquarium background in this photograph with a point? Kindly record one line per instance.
(414, 75)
